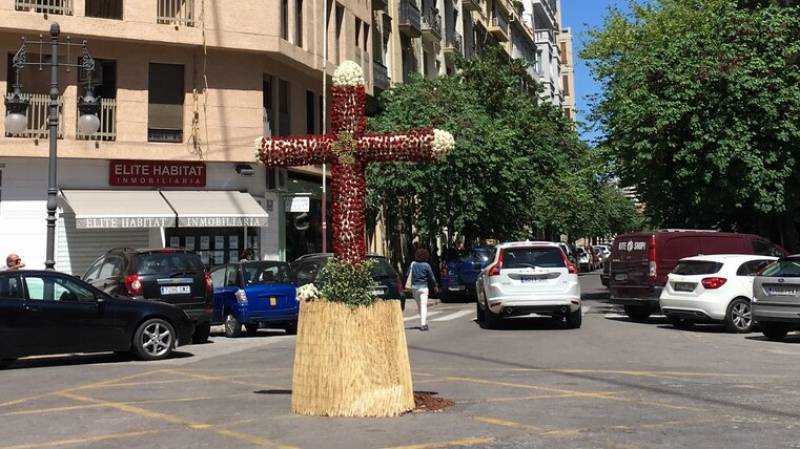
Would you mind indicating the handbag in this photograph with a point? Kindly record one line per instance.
(410, 273)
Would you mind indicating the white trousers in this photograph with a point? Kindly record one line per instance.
(421, 297)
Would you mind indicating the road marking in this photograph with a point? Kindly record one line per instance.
(89, 406)
(505, 423)
(430, 314)
(453, 316)
(451, 443)
(83, 441)
(222, 379)
(531, 398)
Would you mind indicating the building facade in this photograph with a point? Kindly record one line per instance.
(567, 71)
(186, 88)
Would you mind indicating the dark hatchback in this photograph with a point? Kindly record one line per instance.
(388, 284)
(46, 312)
(174, 276)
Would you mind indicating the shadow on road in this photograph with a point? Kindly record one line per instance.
(529, 324)
(83, 359)
(793, 339)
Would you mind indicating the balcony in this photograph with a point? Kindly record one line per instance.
(104, 9)
(545, 14)
(498, 27)
(432, 25)
(454, 43)
(471, 5)
(58, 7)
(108, 122)
(38, 115)
(380, 75)
(409, 19)
(176, 12)
(378, 5)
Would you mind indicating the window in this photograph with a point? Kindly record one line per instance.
(57, 289)
(789, 268)
(112, 267)
(104, 83)
(696, 267)
(358, 32)
(165, 103)
(93, 272)
(307, 272)
(2, 166)
(365, 34)
(285, 19)
(283, 108)
(539, 63)
(106, 9)
(267, 273)
(533, 257)
(310, 112)
(232, 277)
(752, 267)
(565, 82)
(339, 26)
(10, 287)
(269, 108)
(564, 59)
(167, 264)
(218, 277)
(298, 23)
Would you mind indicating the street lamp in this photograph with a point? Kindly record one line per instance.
(17, 105)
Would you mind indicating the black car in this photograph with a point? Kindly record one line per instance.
(46, 312)
(388, 284)
(174, 276)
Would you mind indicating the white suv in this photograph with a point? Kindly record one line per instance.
(529, 277)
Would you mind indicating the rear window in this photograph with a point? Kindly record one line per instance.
(168, 264)
(267, 273)
(783, 269)
(696, 267)
(532, 257)
(381, 268)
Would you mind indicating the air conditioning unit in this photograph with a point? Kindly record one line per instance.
(277, 179)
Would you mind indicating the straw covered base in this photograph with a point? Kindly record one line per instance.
(351, 361)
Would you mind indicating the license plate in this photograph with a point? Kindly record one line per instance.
(273, 301)
(620, 277)
(683, 286)
(782, 291)
(456, 288)
(526, 279)
(176, 290)
(377, 292)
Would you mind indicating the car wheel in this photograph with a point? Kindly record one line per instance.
(574, 319)
(291, 328)
(680, 323)
(739, 318)
(252, 329)
(154, 340)
(481, 316)
(774, 331)
(490, 319)
(638, 313)
(233, 327)
(201, 333)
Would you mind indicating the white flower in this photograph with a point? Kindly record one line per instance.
(308, 292)
(443, 143)
(348, 74)
(257, 143)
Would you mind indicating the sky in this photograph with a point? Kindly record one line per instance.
(581, 16)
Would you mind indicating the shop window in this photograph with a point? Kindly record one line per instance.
(165, 103)
(106, 9)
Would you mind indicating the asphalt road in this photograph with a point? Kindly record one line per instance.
(532, 384)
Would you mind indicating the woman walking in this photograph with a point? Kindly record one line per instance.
(421, 280)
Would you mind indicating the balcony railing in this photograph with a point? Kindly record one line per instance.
(454, 42)
(38, 115)
(432, 24)
(177, 12)
(381, 75)
(471, 5)
(499, 26)
(108, 122)
(60, 7)
(409, 19)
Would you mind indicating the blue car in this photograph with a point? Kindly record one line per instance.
(459, 280)
(254, 294)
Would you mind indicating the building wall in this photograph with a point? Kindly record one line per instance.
(567, 71)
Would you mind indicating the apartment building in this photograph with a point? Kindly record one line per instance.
(186, 88)
(567, 71)
(544, 17)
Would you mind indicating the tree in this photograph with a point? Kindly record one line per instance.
(700, 111)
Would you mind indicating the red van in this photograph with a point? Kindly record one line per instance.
(641, 261)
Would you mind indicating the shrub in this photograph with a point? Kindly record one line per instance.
(348, 283)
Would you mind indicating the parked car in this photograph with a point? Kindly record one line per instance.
(461, 274)
(529, 277)
(605, 251)
(585, 259)
(776, 300)
(570, 251)
(388, 283)
(641, 261)
(712, 289)
(254, 294)
(601, 252)
(174, 276)
(47, 312)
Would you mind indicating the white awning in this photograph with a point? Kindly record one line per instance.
(102, 209)
(214, 209)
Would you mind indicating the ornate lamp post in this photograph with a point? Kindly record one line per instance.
(17, 105)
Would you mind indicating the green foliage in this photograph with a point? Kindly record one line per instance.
(348, 283)
(701, 111)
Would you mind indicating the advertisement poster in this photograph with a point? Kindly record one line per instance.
(219, 257)
(205, 242)
(233, 255)
(174, 242)
(190, 242)
(233, 242)
(219, 242)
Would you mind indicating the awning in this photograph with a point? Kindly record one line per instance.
(99, 209)
(214, 209)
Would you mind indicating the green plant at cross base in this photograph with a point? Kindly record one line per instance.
(348, 283)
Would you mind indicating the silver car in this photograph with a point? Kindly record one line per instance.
(776, 298)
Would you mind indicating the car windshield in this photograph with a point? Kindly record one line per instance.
(532, 257)
(783, 269)
(168, 264)
(696, 267)
(266, 273)
(381, 268)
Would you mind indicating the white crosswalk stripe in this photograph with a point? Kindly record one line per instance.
(455, 315)
(416, 317)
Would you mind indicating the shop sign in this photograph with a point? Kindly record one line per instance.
(221, 222)
(298, 204)
(157, 173)
(124, 222)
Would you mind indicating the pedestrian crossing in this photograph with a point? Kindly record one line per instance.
(467, 312)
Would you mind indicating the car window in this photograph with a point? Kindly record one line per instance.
(218, 277)
(112, 267)
(41, 288)
(232, 276)
(167, 264)
(696, 267)
(267, 273)
(94, 271)
(750, 268)
(307, 272)
(10, 287)
(382, 268)
(760, 248)
(783, 269)
(532, 257)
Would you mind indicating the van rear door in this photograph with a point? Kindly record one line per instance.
(630, 265)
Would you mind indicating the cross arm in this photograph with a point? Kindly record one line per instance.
(294, 151)
(409, 146)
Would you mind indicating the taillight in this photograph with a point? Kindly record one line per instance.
(494, 270)
(209, 282)
(652, 257)
(133, 283)
(241, 296)
(713, 283)
(570, 266)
